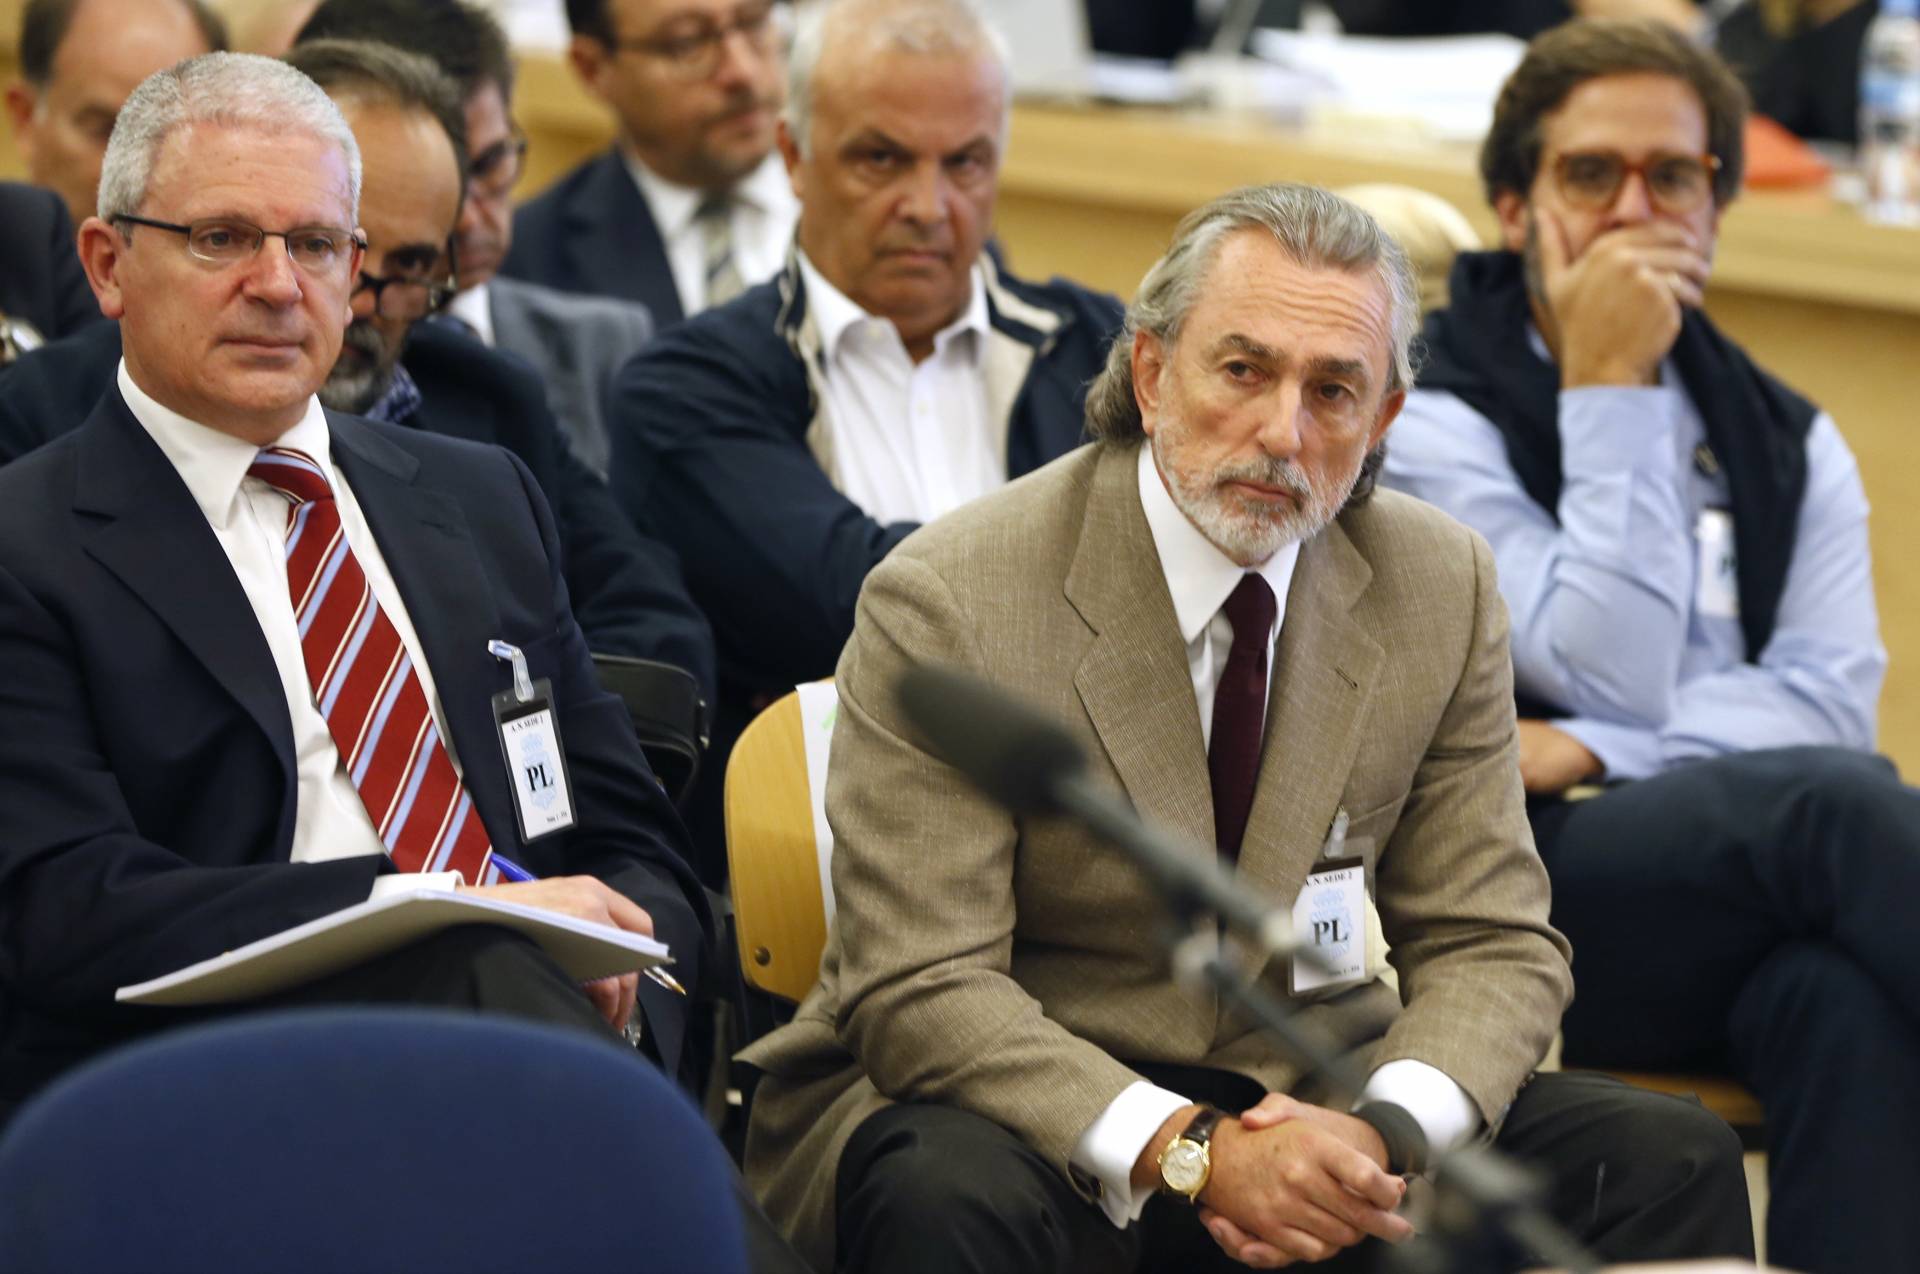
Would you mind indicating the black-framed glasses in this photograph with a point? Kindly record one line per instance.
(495, 169)
(405, 298)
(691, 47)
(1591, 179)
(319, 250)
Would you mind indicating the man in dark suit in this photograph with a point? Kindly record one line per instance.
(41, 283)
(692, 204)
(188, 688)
(626, 589)
(783, 443)
(575, 341)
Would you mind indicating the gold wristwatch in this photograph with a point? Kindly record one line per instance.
(1187, 1162)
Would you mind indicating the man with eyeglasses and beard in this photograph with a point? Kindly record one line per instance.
(577, 342)
(625, 590)
(1682, 542)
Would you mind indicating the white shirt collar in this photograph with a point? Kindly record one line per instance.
(474, 307)
(211, 463)
(835, 313)
(1199, 576)
(673, 205)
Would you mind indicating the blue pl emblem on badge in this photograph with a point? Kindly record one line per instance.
(536, 768)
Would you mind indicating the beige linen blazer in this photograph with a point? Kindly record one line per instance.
(1012, 967)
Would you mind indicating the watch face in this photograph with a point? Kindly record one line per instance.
(1184, 1167)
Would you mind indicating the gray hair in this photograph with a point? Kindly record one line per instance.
(240, 90)
(1317, 229)
(916, 26)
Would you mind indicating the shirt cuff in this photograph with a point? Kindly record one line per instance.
(1628, 751)
(387, 884)
(1112, 1143)
(1441, 1107)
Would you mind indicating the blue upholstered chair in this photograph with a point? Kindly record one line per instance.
(366, 1140)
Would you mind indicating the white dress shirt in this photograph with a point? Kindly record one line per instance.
(763, 215)
(1200, 577)
(474, 307)
(249, 519)
(910, 441)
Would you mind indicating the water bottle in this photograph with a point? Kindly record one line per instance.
(1890, 113)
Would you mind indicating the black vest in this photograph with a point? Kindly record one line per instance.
(1478, 350)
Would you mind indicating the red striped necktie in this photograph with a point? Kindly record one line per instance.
(364, 684)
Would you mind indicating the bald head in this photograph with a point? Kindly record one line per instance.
(837, 37)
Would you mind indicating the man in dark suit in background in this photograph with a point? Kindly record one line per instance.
(692, 203)
(197, 749)
(576, 341)
(625, 589)
(783, 443)
(41, 282)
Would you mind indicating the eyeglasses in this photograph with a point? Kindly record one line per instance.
(319, 250)
(692, 49)
(495, 169)
(403, 298)
(1591, 179)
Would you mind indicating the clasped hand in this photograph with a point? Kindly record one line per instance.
(1296, 1182)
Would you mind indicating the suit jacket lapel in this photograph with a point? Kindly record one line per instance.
(616, 244)
(429, 551)
(1325, 670)
(1134, 681)
(154, 538)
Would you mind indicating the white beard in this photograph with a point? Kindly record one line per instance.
(1247, 530)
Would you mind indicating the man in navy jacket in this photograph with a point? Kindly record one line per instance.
(783, 443)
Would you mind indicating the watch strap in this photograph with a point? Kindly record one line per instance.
(1200, 1128)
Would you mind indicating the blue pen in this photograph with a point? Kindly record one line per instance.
(510, 870)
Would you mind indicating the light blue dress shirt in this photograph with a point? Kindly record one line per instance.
(1606, 602)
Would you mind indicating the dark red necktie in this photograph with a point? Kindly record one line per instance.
(365, 686)
(1239, 711)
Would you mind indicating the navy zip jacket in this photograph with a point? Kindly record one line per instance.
(710, 454)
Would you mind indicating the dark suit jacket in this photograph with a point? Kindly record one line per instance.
(147, 780)
(577, 343)
(627, 592)
(40, 278)
(593, 232)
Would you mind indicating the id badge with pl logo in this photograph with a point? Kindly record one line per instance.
(530, 742)
(1330, 918)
